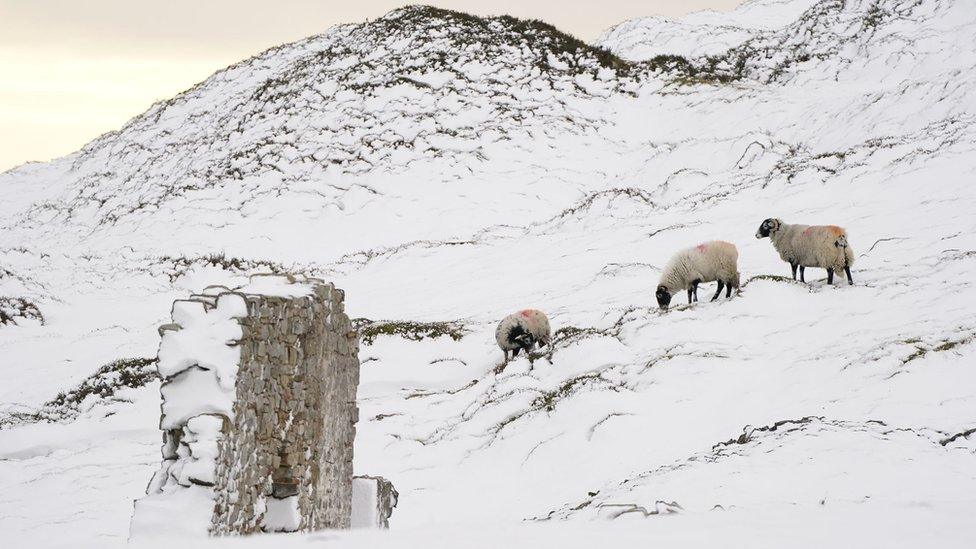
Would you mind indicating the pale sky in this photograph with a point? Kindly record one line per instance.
(71, 70)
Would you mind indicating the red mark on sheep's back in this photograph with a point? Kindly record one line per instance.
(701, 247)
(526, 313)
(831, 229)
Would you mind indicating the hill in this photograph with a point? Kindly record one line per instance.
(445, 170)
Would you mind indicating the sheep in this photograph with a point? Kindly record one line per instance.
(706, 262)
(820, 246)
(523, 331)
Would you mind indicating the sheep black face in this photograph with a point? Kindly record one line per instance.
(767, 228)
(663, 297)
(522, 339)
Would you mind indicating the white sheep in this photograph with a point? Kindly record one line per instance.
(706, 262)
(523, 331)
(820, 246)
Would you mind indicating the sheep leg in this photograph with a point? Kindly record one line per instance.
(793, 267)
(718, 291)
(728, 290)
(694, 287)
(515, 352)
(689, 296)
(830, 276)
(802, 269)
(847, 270)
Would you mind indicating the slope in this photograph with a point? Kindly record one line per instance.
(566, 187)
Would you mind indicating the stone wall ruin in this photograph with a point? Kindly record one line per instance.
(258, 412)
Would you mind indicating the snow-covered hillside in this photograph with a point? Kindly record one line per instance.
(700, 33)
(446, 170)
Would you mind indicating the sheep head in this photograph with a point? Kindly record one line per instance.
(768, 227)
(663, 296)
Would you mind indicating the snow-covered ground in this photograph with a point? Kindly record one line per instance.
(445, 168)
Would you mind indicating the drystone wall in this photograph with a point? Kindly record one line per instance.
(258, 412)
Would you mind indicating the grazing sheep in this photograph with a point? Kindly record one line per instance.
(707, 262)
(821, 246)
(522, 331)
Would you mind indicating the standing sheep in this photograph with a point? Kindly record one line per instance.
(707, 262)
(522, 331)
(820, 246)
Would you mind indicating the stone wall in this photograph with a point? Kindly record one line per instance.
(267, 440)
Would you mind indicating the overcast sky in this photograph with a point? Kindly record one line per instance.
(71, 70)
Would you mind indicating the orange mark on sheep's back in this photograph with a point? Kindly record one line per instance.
(835, 230)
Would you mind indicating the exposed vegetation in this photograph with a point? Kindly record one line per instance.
(181, 265)
(14, 309)
(505, 30)
(548, 399)
(413, 331)
(772, 278)
(131, 372)
(922, 349)
(103, 385)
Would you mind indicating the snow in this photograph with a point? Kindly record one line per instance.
(272, 285)
(700, 33)
(365, 512)
(199, 359)
(798, 415)
(153, 518)
(281, 515)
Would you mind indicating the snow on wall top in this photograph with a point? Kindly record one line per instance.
(200, 347)
(198, 358)
(279, 285)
